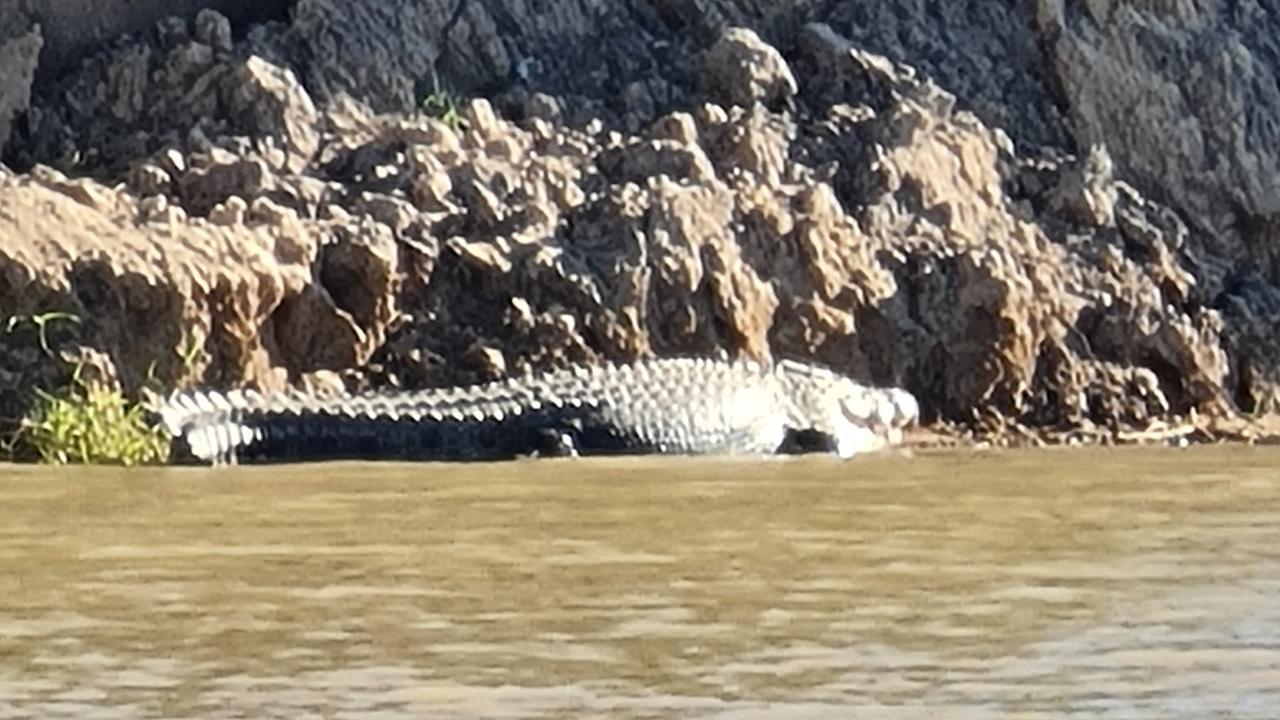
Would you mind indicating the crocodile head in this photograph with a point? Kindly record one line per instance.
(856, 417)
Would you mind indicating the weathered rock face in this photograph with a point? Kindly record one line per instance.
(159, 297)
(73, 28)
(803, 197)
(19, 56)
(1185, 94)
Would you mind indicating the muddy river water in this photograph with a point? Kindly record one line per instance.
(1133, 583)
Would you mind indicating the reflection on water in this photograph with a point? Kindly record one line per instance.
(1096, 583)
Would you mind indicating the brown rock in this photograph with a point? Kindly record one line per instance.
(653, 158)
(755, 143)
(741, 69)
(1086, 192)
(149, 179)
(268, 100)
(147, 295)
(488, 361)
(341, 318)
(229, 212)
(200, 189)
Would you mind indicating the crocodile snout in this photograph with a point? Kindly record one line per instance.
(876, 419)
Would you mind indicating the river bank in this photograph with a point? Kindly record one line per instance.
(1047, 224)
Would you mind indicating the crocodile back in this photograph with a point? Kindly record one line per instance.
(676, 405)
(693, 406)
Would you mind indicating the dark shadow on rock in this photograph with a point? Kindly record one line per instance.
(137, 322)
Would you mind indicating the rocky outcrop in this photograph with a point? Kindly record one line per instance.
(1185, 96)
(159, 297)
(784, 191)
(73, 29)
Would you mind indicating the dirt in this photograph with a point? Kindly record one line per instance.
(1045, 226)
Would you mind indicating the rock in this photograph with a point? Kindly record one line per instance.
(229, 212)
(172, 31)
(653, 158)
(487, 361)
(322, 383)
(481, 120)
(202, 188)
(1086, 191)
(341, 316)
(153, 208)
(393, 212)
(543, 107)
(755, 143)
(147, 292)
(19, 55)
(741, 69)
(1180, 96)
(268, 100)
(149, 179)
(213, 29)
(679, 127)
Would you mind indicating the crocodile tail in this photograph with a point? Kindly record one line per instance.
(243, 427)
(207, 426)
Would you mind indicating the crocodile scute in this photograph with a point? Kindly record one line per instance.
(684, 406)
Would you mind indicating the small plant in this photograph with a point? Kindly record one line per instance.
(87, 420)
(188, 353)
(92, 423)
(442, 105)
(41, 323)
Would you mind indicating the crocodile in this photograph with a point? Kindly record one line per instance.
(688, 406)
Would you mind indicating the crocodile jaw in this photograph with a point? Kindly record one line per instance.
(852, 438)
(870, 421)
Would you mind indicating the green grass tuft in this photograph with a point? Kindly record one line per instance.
(92, 423)
(443, 106)
(41, 322)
